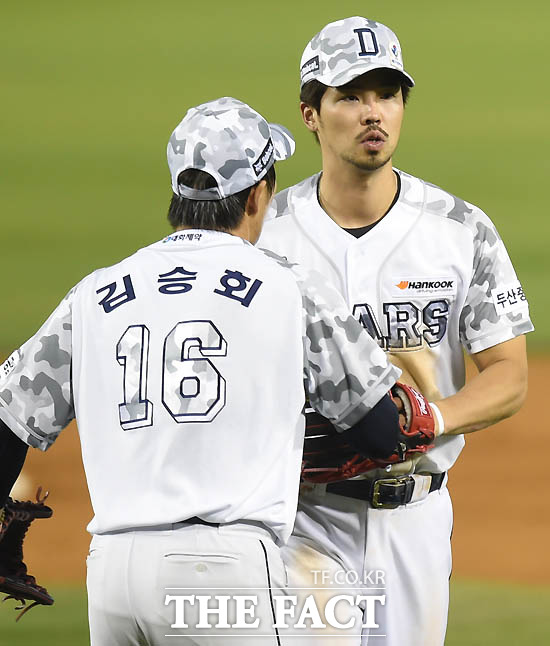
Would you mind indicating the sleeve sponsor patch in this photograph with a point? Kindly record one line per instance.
(9, 365)
(509, 298)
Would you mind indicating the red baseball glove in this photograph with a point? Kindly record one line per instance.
(328, 458)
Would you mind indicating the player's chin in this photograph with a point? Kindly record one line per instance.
(373, 161)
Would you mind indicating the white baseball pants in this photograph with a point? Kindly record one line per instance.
(133, 577)
(341, 545)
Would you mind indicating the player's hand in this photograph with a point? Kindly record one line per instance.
(401, 410)
(416, 417)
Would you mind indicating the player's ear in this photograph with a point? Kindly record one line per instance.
(309, 116)
(255, 210)
(256, 198)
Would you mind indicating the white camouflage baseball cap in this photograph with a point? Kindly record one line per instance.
(347, 48)
(229, 140)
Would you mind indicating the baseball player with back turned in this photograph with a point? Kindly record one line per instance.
(428, 276)
(184, 365)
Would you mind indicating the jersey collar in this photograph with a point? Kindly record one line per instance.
(200, 237)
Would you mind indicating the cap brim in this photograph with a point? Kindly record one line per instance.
(408, 78)
(353, 73)
(283, 142)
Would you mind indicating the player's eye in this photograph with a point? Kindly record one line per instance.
(350, 97)
(389, 93)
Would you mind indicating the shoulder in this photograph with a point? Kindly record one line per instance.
(289, 207)
(438, 202)
(264, 264)
(290, 199)
(309, 282)
(279, 264)
(293, 270)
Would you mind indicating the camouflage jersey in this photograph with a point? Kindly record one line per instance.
(430, 279)
(185, 366)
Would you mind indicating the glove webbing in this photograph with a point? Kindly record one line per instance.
(17, 517)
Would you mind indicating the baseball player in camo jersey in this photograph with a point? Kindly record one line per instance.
(428, 276)
(184, 365)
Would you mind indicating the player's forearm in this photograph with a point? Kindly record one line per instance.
(376, 434)
(497, 392)
(490, 397)
(12, 456)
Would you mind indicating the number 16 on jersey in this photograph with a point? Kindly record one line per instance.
(193, 390)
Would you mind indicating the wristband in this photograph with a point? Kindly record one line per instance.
(439, 418)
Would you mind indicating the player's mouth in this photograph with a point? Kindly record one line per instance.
(373, 139)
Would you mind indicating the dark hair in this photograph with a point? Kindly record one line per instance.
(217, 215)
(312, 92)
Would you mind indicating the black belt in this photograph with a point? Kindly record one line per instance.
(386, 493)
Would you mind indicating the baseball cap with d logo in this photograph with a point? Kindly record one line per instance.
(229, 140)
(347, 48)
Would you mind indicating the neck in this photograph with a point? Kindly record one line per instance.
(357, 198)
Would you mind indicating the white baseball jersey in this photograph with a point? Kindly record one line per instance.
(184, 366)
(431, 278)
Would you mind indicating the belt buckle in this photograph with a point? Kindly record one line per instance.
(392, 482)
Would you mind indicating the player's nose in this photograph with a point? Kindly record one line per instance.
(370, 109)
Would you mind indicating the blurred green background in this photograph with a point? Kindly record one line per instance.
(91, 92)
